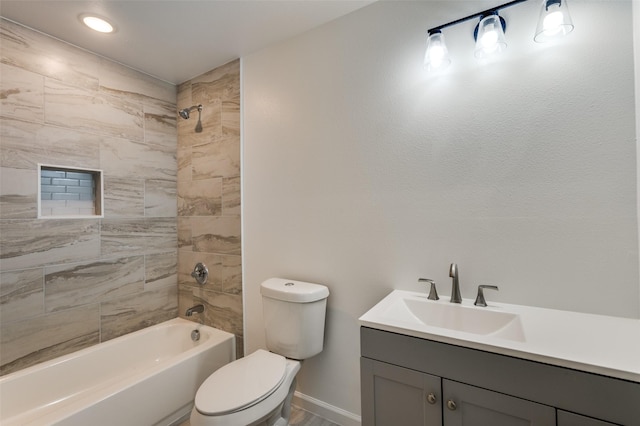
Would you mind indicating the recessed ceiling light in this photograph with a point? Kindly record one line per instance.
(96, 23)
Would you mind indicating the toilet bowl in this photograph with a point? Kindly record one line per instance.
(257, 389)
(249, 391)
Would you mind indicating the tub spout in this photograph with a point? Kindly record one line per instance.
(195, 310)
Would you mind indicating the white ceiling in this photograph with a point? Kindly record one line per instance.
(176, 40)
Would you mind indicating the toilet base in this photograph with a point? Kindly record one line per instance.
(280, 416)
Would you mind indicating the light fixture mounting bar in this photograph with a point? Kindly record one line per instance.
(475, 15)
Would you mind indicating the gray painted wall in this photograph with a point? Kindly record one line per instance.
(363, 173)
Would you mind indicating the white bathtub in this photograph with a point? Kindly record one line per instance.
(149, 377)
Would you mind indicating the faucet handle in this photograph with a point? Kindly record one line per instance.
(480, 297)
(200, 273)
(433, 293)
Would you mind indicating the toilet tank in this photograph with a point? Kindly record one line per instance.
(294, 317)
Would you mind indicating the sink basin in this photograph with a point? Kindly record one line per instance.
(417, 311)
(575, 340)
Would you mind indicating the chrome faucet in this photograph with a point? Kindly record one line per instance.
(455, 284)
(195, 310)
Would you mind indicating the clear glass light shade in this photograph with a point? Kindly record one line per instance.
(437, 55)
(490, 37)
(554, 20)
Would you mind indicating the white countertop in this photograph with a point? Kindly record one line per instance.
(599, 344)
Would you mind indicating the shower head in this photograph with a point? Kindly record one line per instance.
(184, 113)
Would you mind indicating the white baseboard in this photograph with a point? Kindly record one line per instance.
(326, 411)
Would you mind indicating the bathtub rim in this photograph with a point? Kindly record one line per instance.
(108, 388)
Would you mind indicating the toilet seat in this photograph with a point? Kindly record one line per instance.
(241, 384)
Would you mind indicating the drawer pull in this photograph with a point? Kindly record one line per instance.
(451, 405)
(431, 398)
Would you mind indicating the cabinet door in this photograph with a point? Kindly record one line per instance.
(465, 405)
(570, 419)
(394, 396)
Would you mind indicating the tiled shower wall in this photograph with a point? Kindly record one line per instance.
(209, 199)
(66, 284)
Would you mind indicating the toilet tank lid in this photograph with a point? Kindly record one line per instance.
(293, 291)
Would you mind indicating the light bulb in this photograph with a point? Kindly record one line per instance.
(97, 24)
(552, 22)
(490, 36)
(437, 54)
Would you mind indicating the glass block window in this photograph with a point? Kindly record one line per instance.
(65, 192)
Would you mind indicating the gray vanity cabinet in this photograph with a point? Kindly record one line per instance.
(399, 396)
(472, 406)
(570, 419)
(408, 381)
(393, 396)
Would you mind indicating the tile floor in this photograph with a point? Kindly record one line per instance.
(299, 417)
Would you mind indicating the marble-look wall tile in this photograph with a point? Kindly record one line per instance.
(183, 95)
(232, 274)
(127, 158)
(219, 158)
(130, 313)
(21, 94)
(38, 53)
(135, 236)
(123, 197)
(200, 197)
(231, 196)
(216, 234)
(29, 243)
(24, 145)
(123, 237)
(221, 83)
(160, 198)
(92, 111)
(63, 106)
(231, 117)
(161, 270)
(184, 165)
(18, 193)
(160, 121)
(162, 234)
(184, 233)
(25, 343)
(209, 199)
(222, 310)
(125, 81)
(73, 285)
(21, 294)
(185, 301)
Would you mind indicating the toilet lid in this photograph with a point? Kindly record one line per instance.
(242, 383)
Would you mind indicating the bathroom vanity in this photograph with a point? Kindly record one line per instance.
(435, 363)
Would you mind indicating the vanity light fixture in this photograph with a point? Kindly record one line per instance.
(489, 33)
(96, 23)
(554, 20)
(437, 54)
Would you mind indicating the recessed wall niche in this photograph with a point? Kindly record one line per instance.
(65, 192)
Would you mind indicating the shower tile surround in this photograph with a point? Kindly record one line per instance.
(209, 199)
(66, 284)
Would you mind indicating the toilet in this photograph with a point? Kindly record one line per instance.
(257, 389)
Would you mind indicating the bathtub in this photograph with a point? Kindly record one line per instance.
(149, 377)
